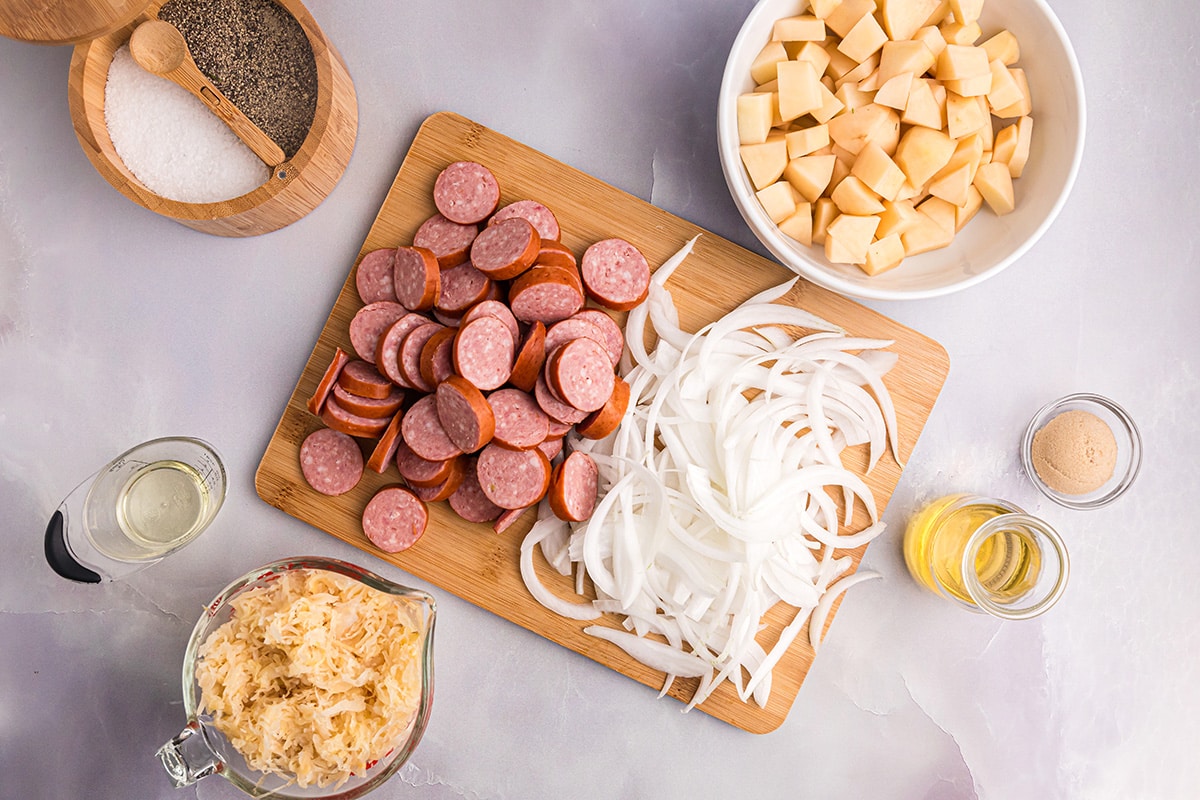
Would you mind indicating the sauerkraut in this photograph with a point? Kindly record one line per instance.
(315, 677)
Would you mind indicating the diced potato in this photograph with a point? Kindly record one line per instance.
(823, 8)
(925, 235)
(862, 71)
(883, 254)
(910, 192)
(1012, 145)
(922, 108)
(762, 69)
(878, 172)
(902, 18)
(959, 62)
(799, 225)
(852, 196)
(964, 115)
(894, 93)
(799, 89)
(960, 34)
(814, 53)
(896, 58)
(841, 80)
(1003, 47)
(1022, 108)
(778, 200)
(754, 114)
(922, 152)
(1005, 91)
(941, 212)
(932, 38)
(970, 87)
(823, 213)
(870, 123)
(994, 182)
(839, 62)
(896, 218)
(804, 28)
(831, 106)
(806, 140)
(870, 83)
(852, 98)
(952, 186)
(765, 162)
(847, 14)
(964, 214)
(864, 39)
(966, 11)
(848, 237)
(809, 174)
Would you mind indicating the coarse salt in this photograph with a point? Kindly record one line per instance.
(171, 141)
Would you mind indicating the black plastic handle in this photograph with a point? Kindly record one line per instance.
(59, 557)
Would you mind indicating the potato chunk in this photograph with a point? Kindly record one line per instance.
(765, 162)
(994, 182)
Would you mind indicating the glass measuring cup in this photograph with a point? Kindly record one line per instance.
(143, 505)
(200, 749)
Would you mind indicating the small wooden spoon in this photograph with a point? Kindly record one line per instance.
(160, 48)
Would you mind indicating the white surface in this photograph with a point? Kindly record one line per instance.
(989, 243)
(117, 325)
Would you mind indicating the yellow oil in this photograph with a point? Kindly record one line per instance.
(1006, 565)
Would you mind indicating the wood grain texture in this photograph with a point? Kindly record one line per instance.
(296, 186)
(472, 561)
(65, 21)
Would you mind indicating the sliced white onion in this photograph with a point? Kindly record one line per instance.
(716, 488)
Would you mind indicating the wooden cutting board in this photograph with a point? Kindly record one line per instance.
(481, 566)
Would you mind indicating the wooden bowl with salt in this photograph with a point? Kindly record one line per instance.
(294, 188)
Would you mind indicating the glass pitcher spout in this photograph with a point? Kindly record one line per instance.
(188, 757)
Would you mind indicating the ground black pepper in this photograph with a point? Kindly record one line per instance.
(257, 54)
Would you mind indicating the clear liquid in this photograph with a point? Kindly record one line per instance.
(162, 505)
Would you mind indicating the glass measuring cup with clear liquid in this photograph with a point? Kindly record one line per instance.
(145, 504)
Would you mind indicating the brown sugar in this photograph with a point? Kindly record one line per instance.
(1075, 453)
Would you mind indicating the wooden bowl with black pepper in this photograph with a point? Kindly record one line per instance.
(273, 62)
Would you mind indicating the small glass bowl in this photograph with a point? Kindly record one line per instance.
(200, 750)
(1129, 449)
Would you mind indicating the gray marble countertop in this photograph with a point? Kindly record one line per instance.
(117, 325)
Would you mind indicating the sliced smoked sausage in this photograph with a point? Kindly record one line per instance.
(505, 250)
(423, 431)
(369, 324)
(542, 218)
(530, 358)
(603, 421)
(332, 373)
(449, 241)
(581, 374)
(513, 478)
(331, 462)
(394, 519)
(466, 192)
(465, 414)
(574, 487)
(417, 278)
(373, 276)
(615, 274)
(364, 379)
(483, 353)
(520, 422)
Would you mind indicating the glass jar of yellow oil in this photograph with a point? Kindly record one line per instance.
(987, 555)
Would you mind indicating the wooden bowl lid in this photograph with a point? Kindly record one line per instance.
(65, 21)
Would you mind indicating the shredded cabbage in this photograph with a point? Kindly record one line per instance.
(315, 677)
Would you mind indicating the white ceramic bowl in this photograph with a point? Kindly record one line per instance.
(989, 243)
